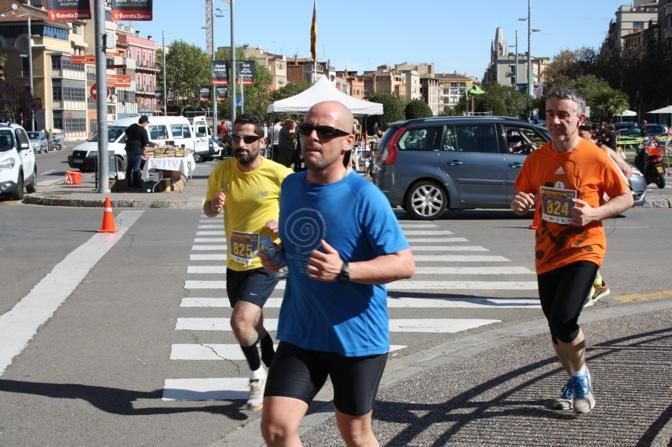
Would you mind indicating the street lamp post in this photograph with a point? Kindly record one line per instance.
(232, 81)
(30, 70)
(165, 90)
(530, 30)
(214, 51)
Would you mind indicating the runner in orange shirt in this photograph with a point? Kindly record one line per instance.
(569, 175)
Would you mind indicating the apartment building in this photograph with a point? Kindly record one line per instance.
(137, 58)
(275, 63)
(355, 83)
(431, 94)
(630, 20)
(665, 23)
(452, 87)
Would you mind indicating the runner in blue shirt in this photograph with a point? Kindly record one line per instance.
(341, 242)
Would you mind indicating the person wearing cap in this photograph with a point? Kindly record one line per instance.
(136, 140)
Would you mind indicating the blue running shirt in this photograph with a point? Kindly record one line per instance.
(355, 218)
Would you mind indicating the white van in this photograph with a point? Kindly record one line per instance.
(176, 130)
(17, 162)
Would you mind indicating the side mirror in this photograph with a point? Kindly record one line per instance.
(25, 146)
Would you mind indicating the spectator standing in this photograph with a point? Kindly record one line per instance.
(136, 141)
(247, 189)
(286, 143)
(275, 138)
(342, 242)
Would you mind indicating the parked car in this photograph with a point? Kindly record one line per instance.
(18, 170)
(655, 129)
(428, 165)
(214, 150)
(39, 141)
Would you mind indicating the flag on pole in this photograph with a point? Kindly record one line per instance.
(313, 35)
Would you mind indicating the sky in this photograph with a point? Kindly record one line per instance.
(361, 34)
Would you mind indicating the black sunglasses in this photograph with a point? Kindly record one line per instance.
(248, 139)
(322, 131)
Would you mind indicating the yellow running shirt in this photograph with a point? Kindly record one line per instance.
(252, 199)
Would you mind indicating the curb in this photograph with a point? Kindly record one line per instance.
(116, 203)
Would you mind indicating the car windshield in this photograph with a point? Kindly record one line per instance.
(34, 135)
(655, 129)
(5, 140)
(113, 133)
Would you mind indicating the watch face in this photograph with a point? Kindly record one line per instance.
(344, 275)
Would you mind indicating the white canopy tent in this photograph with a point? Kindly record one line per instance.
(323, 90)
(627, 113)
(663, 111)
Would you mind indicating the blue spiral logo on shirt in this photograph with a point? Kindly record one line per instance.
(305, 228)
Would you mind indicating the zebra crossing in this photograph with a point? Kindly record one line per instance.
(472, 278)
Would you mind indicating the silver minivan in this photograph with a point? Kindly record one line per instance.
(428, 165)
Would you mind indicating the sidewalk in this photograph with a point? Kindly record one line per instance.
(493, 388)
(85, 195)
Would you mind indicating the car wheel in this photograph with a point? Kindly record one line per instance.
(426, 200)
(660, 182)
(18, 194)
(198, 158)
(32, 186)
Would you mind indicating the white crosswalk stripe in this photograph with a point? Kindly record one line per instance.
(440, 255)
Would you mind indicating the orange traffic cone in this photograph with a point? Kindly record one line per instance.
(537, 216)
(108, 225)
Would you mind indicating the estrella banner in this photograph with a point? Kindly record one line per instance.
(66, 10)
(313, 34)
(204, 93)
(123, 10)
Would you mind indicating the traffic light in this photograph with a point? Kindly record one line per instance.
(3, 62)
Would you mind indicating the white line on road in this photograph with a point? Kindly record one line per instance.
(208, 257)
(208, 247)
(437, 325)
(49, 182)
(418, 258)
(514, 270)
(428, 233)
(210, 240)
(217, 351)
(455, 302)
(404, 285)
(20, 324)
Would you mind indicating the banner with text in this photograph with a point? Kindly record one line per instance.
(204, 93)
(222, 92)
(220, 72)
(247, 72)
(66, 10)
(123, 10)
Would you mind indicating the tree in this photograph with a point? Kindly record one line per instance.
(503, 101)
(417, 108)
(393, 108)
(290, 89)
(187, 69)
(16, 101)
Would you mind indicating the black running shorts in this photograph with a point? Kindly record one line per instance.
(301, 373)
(253, 286)
(562, 293)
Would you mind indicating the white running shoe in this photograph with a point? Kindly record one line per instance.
(257, 385)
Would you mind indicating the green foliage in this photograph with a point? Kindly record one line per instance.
(15, 100)
(187, 69)
(290, 89)
(393, 107)
(417, 108)
(502, 101)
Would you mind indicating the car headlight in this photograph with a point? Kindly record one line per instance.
(8, 164)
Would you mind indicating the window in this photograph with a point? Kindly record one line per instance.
(637, 25)
(421, 139)
(180, 131)
(158, 132)
(477, 138)
(450, 139)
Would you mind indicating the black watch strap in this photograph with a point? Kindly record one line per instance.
(344, 274)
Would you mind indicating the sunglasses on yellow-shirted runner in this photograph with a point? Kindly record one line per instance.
(248, 139)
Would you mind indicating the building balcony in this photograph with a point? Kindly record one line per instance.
(147, 68)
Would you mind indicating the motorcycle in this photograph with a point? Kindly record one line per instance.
(649, 160)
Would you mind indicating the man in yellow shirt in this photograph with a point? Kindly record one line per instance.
(247, 189)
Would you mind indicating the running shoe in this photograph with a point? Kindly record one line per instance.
(256, 399)
(596, 293)
(583, 393)
(565, 401)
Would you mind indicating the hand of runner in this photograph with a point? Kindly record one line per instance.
(217, 202)
(268, 263)
(582, 213)
(272, 226)
(522, 203)
(324, 265)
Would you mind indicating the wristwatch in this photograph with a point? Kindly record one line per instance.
(344, 274)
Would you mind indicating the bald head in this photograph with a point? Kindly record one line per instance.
(341, 115)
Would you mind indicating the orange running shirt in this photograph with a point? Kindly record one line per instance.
(586, 170)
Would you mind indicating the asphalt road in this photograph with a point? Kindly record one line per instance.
(130, 355)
